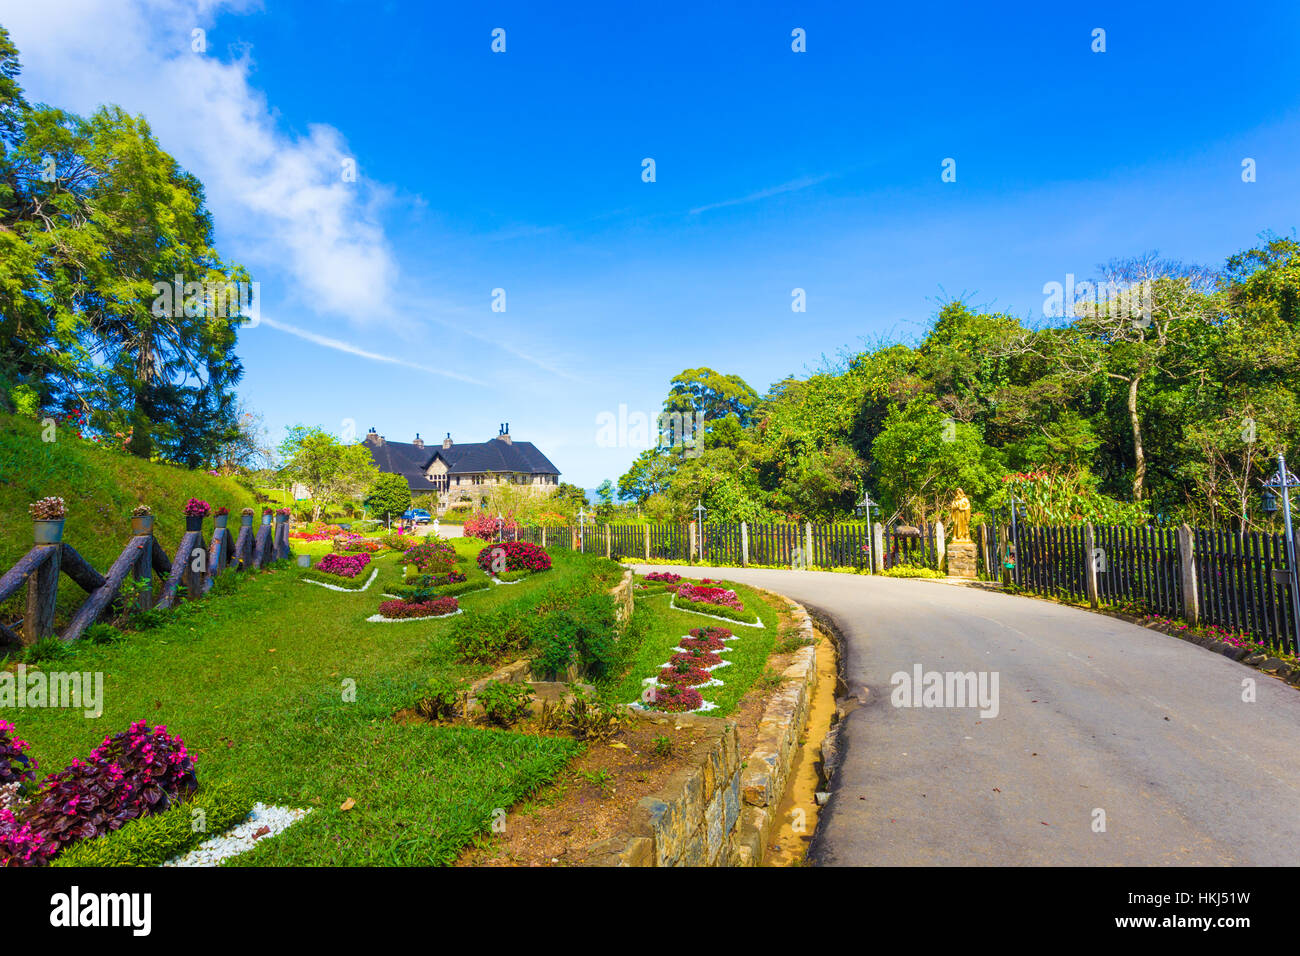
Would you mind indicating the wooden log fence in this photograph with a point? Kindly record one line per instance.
(192, 566)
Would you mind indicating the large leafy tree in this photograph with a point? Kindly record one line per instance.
(331, 471)
(93, 214)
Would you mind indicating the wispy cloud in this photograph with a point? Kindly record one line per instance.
(340, 346)
(793, 186)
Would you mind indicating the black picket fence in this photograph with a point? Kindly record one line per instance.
(769, 544)
(1243, 582)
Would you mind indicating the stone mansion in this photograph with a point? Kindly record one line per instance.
(465, 472)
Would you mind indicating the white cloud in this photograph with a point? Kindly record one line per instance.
(793, 186)
(277, 198)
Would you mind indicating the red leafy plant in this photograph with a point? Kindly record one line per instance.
(666, 577)
(344, 565)
(135, 773)
(706, 638)
(483, 525)
(438, 607)
(707, 595)
(222, 511)
(517, 555)
(15, 765)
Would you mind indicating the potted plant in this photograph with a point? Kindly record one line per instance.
(195, 512)
(267, 515)
(47, 518)
(221, 517)
(246, 518)
(141, 520)
(281, 516)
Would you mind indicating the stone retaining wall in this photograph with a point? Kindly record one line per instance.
(622, 595)
(717, 811)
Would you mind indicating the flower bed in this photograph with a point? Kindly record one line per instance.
(401, 610)
(343, 565)
(675, 699)
(684, 674)
(436, 557)
(719, 597)
(352, 543)
(131, 774)
(696, 658)
(516, 555)
(707, 639)
(435, 580)
(664, 577)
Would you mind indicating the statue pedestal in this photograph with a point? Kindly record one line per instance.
(961, 559)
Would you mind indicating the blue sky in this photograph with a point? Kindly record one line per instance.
(775, 170)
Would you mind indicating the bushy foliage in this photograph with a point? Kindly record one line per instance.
(15, 765)
(344, 565)
(431, 557)
(435, 607)
(514, 556)
(505, 704)
(135, 773)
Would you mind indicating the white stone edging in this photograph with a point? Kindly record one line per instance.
(240, 838)
(673, 604)
(334, 587)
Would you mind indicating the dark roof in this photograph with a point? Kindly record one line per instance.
(411, 461)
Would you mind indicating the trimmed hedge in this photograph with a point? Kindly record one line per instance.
(153, 840)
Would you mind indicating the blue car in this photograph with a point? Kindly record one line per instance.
(418, 515)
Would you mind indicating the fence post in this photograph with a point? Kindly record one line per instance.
(543, 536)
(693, 543)
(808, 548)
(608, 545)
(1187, 567)
(42, 592)
(940, 546)
(143, 571)
(744, 544)
(647, 543)
(878, 549)
(1090, 564)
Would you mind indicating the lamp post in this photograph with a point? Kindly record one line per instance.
(1284, 481)
(699, 523)
(866, 506)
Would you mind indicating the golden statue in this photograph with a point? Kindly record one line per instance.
(960, 509)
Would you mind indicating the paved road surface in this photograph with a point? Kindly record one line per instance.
(1094, 714)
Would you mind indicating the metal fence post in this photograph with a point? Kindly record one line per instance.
(1187, 569)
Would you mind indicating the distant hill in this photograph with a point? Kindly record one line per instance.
(99, 487)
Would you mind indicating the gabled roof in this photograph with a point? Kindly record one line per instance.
(411, 461)
(488, 456)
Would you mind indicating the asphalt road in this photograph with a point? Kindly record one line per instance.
(1094, 715)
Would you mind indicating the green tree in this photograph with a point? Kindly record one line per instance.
(331, 471)
(389, 495)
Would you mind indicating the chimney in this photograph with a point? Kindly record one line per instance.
(505, 433)
(372, 437)
(446, 442)
(419, 442)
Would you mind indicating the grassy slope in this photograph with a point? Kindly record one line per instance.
(100, 488)
(254, 683)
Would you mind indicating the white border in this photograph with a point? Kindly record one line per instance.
(334, 587)
(380, 619)
(726, 620)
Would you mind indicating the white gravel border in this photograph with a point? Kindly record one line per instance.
(726, 620)
(239, 839)
(334, 587)
(380, 619)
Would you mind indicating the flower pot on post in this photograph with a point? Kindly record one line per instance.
(142, 524)
(48, 531)
(194, 522)
(245, 521)
(221, 520)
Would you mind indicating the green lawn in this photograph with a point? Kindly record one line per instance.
(254, 682)
(664, 627)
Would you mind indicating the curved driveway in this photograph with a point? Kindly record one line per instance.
(1094, 715)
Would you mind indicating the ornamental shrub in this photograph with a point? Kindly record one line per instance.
(710, 595)
(194, 508)
(684, 674)
(666, 577)
(504, 704)
(482, 525)
(514, 556)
